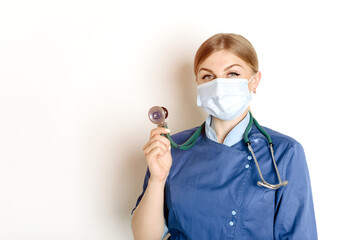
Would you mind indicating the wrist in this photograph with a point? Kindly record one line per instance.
(157, 182)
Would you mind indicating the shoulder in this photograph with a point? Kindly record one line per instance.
(283, 140)
(279, 137)
(291, 160)
(292, 151)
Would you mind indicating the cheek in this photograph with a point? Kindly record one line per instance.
(199, 81)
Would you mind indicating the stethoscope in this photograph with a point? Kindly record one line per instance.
(158, 115)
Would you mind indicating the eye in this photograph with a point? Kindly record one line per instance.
(233, 74)
(207, 77)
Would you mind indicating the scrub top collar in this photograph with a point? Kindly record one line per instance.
(233, 137)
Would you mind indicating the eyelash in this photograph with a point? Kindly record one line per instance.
(231, 73)
(235, 73)
(205, 76)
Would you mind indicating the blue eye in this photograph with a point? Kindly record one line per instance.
(233, 74)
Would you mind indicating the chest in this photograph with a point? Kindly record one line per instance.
(213, 187)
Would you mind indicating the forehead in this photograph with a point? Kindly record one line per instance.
(222, 58)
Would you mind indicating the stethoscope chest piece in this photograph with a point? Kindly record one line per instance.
(157, 115)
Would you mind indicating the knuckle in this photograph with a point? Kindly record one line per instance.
(156, 137)
(153, 131)
(157, 149)
(160, 148)
(164, 139)
(160, 141)
(158, 144)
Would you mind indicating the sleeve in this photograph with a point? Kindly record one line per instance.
(295, 216)
(146, 180)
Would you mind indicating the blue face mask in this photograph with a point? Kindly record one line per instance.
(224, 98)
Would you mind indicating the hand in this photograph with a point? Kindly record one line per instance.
(158, 155)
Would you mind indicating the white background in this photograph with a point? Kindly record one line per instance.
(78, 77)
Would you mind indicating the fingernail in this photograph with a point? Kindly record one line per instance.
(170, 148)
(168, 130)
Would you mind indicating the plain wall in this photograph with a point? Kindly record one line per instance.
(77, 79)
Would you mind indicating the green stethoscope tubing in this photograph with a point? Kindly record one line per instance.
(189, 143)
(192, 140)
(270, 142)
(247, 130)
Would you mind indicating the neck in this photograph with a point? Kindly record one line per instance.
(222, 127)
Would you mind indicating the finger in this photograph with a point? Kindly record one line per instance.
(163, 139)
(154, 154)
(158, 131)
(156, 144)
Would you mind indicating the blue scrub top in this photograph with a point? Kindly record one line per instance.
(211, 190)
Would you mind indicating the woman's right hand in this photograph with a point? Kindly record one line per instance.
(158, 155)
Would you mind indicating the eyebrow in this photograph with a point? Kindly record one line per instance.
(227, 68)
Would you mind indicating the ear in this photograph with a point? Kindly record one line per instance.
(255, 82)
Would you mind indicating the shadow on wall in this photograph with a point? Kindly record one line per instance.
(183, 114)
(131, 182)
(186, 114)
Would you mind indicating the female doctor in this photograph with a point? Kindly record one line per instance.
(210, 191)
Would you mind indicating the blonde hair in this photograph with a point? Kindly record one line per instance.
(234, 43)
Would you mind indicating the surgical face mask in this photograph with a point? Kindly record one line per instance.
(224, 98)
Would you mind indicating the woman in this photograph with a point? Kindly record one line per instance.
(210, 191)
